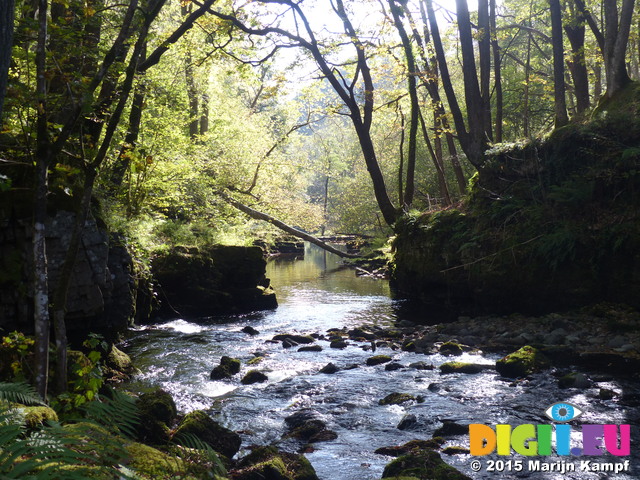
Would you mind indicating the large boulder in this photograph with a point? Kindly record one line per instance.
(522, 362)
(269, 463)
(222, 279)
(422, 465)
(202, 426)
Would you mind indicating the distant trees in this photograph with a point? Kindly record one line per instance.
(6, 42)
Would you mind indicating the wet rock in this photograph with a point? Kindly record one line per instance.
(455, 450)
(157, 412)
(329, 368)
(200, 425)
(390, 367)
(522, 362)
(397, 399)
(250, 330)
(288, 343)
(228, 368)
(606, 394)
(118, 366)
(408, 422)
(451, 429)
(307, 425)
(254, 376)
(358, 333)
(462, 367)
(378, 359)
(310, 348)
(421, 366)
(574, 380)
(269, 463)
(450, 349)
(295, 338)
(408, 346)
(340, 344)
(422, 465)
(396, 451)
(255, 360)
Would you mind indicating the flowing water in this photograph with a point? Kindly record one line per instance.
(316, 295)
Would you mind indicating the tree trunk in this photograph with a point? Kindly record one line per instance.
(283, 226)
(41, 276)
(497, 72)
(6, 42)
(616, 39)
(575, 31)
(396, 11)
(561, 118)
(204, 115)
(484, 51)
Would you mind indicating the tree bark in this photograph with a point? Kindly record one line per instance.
(283, 226)
(41, 277)
(409, 191)
(484, 52)
(6, 42)
(616, 40)
(497, 72)
(559, 89)
(575, 30)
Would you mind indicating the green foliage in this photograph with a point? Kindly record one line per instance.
(16, 351)
(19, 392)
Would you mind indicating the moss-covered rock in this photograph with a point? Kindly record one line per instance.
(157, 414)
(450, 349)
(423, 465)
(254, 376)
(397, 399)
(222, 279)
(269, 463)
(523, 362)
(462, 367)
(378, 359)
(118, 366)
(200, 425)
(36, 417)
(228, 368)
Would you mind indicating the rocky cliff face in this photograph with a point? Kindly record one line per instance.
(213, 280)
(104, 297)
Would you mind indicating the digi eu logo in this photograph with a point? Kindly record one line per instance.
(529, 440)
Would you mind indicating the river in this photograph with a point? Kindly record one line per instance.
(317, 294)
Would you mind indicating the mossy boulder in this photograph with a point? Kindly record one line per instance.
(378, 359)
(118, 366)
(423, 465)
(222, 279)
(523, 362)
(269, 463)
(397, 399)
(157, 412)
(254, 376)
(462, 367)
(200, 425)
(228, 368)
(36, 417)
(450, 349)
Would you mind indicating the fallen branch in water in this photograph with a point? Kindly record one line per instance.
(283, 226)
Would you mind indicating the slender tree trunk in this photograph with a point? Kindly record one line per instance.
(559, 89)
(436, 155)
(204, 115)
(6, 42)
(527, 79)
(397, 12)
(616, 40)
(192, 90)
(401, 157)
(597, 84)
(497, 72)
(484, 50)
(575, 31)
(41, 276)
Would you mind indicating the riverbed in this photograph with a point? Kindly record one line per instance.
(315, 295)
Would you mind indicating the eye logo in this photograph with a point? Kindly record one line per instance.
(563, 412)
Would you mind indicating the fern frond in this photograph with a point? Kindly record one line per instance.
(117, 410)
(20, 392)
(188, 440)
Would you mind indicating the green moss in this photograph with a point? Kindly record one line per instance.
(451, 348)
(460, 367)
(270, 463)
(378, 359)
(255, 360)
(254, 376)
(423, 465)
(153, 464)
(157, 413)
(202, 426)
(36, 417)
(228, 368)
(523, 362)
(397, 399)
